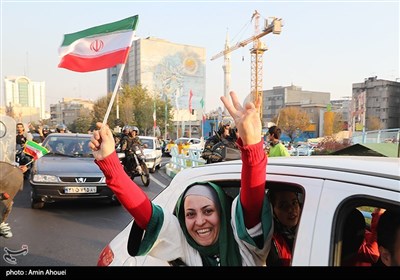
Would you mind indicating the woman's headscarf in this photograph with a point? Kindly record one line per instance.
(226, 246)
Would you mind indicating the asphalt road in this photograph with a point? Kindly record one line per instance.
(69, 233)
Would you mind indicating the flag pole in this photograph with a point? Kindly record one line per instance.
(114, 94)
(29, 162)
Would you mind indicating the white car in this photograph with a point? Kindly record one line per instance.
(195, 143)
(152, 151)
(329, 187)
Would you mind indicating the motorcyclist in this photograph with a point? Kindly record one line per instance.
(128, 140)
(61, 128)
(225, 137)
(43, 132)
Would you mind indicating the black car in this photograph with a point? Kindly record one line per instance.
(67, 172)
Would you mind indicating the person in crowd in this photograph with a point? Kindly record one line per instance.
(201, 231)
(360, 247)
(226, 135)
(43, 132)
(388, 234)
(21, 136)
(61, 128)
(287, 211)
(130, 137)
(276, 148)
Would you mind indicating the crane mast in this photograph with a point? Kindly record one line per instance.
(257, 52)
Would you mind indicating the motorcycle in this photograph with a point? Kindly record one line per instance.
(135, 165)
(220, 152)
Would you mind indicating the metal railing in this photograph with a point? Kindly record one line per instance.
(377, 136)
(186, 159)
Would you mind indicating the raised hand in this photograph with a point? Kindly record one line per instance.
(102, 142)
(247, 118)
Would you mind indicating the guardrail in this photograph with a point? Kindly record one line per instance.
(179, 161)
(377, 136)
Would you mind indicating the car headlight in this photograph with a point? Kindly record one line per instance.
(45, 178)
(103, 179)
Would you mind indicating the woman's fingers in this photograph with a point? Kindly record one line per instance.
(235, 101)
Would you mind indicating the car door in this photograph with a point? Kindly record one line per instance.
(312, 188)
(334, 196)
(158, 152)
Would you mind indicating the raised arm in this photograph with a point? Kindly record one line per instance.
(248, 123)
(128, 193)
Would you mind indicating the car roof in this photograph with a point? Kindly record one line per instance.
(384, 166)
(358, 169)
(147, 137)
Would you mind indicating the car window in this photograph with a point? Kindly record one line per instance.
(148, 142)
(355, 231)
(71, 146)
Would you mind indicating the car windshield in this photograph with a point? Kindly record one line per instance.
(68, 146)
(149, 143)
(181, 141)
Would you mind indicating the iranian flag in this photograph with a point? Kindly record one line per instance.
(99, 47)
(34, 149)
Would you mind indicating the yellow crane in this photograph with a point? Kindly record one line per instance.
(256, 52)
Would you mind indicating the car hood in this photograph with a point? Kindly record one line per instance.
(66, 165)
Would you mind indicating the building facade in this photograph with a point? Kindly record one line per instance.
(25, 98)
(167, 70)
(313, 102)
(68, 110)
(375, 105)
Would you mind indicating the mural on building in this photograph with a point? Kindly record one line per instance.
(176, 75)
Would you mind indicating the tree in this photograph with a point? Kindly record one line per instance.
(84, 122)
(373, 123)
(338, 123)
(100, 108)
(292, 121)
(136, 107)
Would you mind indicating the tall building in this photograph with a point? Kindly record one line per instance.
(68, 110)
(375, 104)
(167, 70)
(313, 102)
(25, 98)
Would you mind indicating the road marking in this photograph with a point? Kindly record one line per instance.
(157, 182)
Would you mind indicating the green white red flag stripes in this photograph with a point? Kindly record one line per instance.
(98, 47)
(34, 149)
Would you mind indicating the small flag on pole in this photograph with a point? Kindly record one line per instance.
(99, 47)
(35, 150)
(190, 101)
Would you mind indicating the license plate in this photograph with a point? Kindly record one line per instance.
(80, 189)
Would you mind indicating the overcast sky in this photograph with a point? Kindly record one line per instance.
(324, 45)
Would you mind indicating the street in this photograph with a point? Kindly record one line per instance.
(69, 233)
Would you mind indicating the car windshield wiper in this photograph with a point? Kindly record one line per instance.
(82, 155)
(60, 154)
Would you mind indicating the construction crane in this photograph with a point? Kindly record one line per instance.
(256, 53)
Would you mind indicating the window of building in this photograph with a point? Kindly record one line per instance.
(23, 92)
